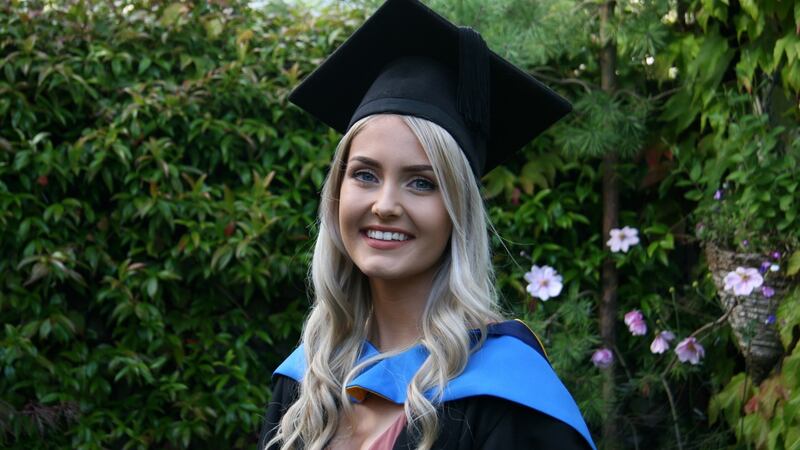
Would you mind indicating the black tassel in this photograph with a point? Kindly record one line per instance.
(473, 80)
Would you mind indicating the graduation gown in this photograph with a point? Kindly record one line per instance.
(508, 396)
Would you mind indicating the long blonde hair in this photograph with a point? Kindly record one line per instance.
(462, 298)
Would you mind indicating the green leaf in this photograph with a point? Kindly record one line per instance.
(214, 28)
(185, 60)
(39, 137)
(797, 25)
(788, 315)
(792, 434)
(172, 13)
(791, 74)
(794, 264)
(144, 63)
(29, 43)
(786, 202)
(45, 328)
(50, 398)
(696, 171)
(694, 195)
(30, 329)
(221, 257)
(750, 7)
(152, 286)
(710, 65)
(789, 45)
(497, 181)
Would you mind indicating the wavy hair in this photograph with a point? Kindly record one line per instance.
(462, 298)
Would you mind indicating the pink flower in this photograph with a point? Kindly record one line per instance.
(622, 239)
(767, 291)
(544, 282)
(661, 342)
(638, 328)
(633, 316)
(603, 358)
(743, 280)
(690, 350)
(635, 322)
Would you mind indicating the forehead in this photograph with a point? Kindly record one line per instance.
(387, 138)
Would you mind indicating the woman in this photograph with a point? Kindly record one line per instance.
(404, 346)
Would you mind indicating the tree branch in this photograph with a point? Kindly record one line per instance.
(558, 80)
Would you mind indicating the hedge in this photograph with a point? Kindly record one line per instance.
(157, 201)
(157, 207)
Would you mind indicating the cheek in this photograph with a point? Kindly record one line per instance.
(343, 203)
(348, 210)
(441, 224)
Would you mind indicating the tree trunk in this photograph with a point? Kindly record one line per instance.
(608, 301)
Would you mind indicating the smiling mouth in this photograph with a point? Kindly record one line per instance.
(387, 235)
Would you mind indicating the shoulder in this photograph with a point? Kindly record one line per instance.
(284, 393)
(518, 330)
(513, 332)
(284, 389)
(511, 367)
(511, 350)
(293, 366)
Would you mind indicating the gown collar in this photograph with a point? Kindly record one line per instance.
(511, 364)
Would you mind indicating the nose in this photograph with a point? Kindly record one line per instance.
(387, 203)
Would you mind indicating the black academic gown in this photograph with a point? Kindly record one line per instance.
(479, 422)
(507, 397)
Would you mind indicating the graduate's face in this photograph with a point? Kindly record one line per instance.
(392, 216)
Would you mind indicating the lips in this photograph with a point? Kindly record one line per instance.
(376, 237)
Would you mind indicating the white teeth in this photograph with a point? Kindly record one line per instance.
(386, 235)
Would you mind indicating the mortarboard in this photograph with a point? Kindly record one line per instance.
(406, 59)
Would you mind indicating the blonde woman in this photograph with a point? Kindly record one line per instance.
(404, 347)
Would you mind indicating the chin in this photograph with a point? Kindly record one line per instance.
(392, 273)
(384, 274)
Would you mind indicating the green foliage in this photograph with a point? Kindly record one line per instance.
(527, 33)
(557, 226)
(603, 123)
(767, 415)
(685, 118)
(738, 83)
(748, 189)
(157, 197)
(642, 32)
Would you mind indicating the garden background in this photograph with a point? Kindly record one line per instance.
(158, 198)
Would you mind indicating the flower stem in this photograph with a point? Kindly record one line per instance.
(674, 413)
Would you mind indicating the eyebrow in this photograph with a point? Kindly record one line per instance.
(374, 163)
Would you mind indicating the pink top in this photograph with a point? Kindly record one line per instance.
(386, 440)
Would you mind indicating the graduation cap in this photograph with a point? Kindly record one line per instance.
(406, 59)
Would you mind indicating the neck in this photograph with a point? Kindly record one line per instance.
(397, 307)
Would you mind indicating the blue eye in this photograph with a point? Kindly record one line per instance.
(422, 184)
(364, 176)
